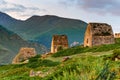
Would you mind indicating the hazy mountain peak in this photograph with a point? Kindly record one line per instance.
(36, 17)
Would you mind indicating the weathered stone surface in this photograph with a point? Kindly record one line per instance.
(23, 55)
(32, 73)
(39, 73)
(117, 35)
(98, 34)
(59, 42)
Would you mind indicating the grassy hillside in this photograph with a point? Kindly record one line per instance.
(10, 43)
(81, 49)
(41, 28)
(93, 65)
(77, 68)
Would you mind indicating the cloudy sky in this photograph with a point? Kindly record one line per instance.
(106, 11)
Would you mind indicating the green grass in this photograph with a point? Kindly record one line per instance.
(81, 49)
(36, 61)
(21, 71)
(85, 66)
(116, 54)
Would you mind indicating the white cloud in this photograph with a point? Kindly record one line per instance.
(19, 11)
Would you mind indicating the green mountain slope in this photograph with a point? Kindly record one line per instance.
(10, 43)
(41, 28)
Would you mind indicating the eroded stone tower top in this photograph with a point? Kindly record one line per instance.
(59, 41)
(101, 29)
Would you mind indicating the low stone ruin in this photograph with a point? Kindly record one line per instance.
(59, 42)
(23, 55)
(117, 35)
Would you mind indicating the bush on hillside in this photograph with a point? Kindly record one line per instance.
(116, 54)
(36, 61)
(117, 40)
(40, 62)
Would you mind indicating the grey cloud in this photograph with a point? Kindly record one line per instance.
(2, 2)
(14, 8)
(95, 6)
(67, 3)
(97, 3)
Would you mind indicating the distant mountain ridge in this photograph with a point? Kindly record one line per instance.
(10, 43)
(7, 20)
(41, 28)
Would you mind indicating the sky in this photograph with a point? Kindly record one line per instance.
(103, 11)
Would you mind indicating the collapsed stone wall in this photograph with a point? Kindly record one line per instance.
(24, 54)
(117, 35)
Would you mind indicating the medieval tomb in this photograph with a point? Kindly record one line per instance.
(98, 34)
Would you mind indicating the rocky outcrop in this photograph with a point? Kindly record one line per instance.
(39, 73)
(98, 34)
(65, 58)
(23, 55)
(59, 42)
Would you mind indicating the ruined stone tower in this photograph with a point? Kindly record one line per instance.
(117, 35)
(98, 34)
(59, 41)
(24, 54)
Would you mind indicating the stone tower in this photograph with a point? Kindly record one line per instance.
(98, 34)
(59, 41)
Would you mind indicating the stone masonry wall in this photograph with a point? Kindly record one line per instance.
(24, 54)
(98, 34)
(59, 41)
